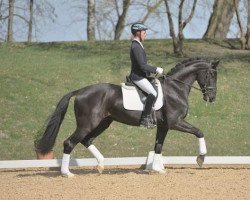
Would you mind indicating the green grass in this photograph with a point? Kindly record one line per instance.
(33, 77)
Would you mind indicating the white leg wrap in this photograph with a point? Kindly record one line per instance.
(158, 165)
(65, 166)
(96, 153)
(202, 146)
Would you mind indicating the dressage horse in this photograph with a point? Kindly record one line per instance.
(97, 106)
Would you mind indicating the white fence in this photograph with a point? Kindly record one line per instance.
(89, 162)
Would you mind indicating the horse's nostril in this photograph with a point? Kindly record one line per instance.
(211, 99)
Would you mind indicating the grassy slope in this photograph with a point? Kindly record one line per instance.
(34, 77)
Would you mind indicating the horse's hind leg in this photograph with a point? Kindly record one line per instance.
(69, 145)
(87, 142)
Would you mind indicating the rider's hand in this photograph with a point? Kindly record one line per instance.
(159, 70)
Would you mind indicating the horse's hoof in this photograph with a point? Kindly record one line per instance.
(158, 171)
(100, 168)
(68, 175)
(200, 160)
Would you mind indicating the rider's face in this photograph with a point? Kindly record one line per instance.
(143, 35)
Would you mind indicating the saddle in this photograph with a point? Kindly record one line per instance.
(134, 98)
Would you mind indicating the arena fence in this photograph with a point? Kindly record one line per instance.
(129, 161)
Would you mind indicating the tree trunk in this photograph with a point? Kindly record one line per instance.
(121, 20)
(220, 19)
(242, 36)
(10, 21)
(171, 29)
(91, 20)
(248, 27)
(30, 20)
(179, 40)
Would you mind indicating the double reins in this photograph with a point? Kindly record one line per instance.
(179, 81)
(203, 90)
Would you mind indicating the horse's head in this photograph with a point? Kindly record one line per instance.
(207, 80)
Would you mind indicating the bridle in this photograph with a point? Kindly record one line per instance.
(204, 90)
(207, 88)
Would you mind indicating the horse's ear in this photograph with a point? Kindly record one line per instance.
(215, 64)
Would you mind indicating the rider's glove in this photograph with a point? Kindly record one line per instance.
(159, 70)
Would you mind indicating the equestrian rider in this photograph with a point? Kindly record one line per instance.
(140, 70)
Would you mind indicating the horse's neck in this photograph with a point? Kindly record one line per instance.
(187, 76)
(180, 83)
(189, 73)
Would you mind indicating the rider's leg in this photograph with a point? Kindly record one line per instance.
(146, 117)
(146, 86)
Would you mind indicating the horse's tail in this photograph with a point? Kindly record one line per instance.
(47, 140)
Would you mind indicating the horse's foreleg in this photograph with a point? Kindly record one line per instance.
(184, 126)
(158, 165)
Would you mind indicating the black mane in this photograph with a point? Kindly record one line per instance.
(184, 64)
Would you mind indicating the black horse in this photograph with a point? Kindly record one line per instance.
(97, 106)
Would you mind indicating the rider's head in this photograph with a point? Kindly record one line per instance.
(138, 30)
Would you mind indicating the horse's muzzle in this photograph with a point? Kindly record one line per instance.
(208, 98)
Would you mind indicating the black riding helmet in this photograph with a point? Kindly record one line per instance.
(138, 26)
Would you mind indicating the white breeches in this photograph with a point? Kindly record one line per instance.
(146, 86)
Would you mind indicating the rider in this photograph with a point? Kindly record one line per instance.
(140, 70)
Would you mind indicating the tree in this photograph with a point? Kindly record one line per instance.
(39, 14)
(19, 18)
(248, 27)
(113, 18)
(91, 22)
(2, 10)
(121, 18)
(151, 9)
(178, 40)
(220, 19)
(3, 17)
(10, 21)
(31, 11)
(244, 37)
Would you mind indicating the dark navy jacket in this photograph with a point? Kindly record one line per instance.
(139, 67)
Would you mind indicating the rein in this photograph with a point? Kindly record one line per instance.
(205, 89)
(173, 79)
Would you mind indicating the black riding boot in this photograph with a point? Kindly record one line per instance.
(146, 118)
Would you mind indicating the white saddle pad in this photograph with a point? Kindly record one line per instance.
(132, 101)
